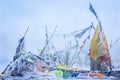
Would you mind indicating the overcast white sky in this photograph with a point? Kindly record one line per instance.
(69, 15)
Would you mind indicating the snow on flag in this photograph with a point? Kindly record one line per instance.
(21, 47)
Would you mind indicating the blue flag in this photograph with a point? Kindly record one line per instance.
(80, 34)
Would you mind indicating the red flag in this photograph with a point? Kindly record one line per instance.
(103, 58)
(81, 47)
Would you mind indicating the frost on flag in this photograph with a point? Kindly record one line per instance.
(83, 31)
(98, 45)
(20, 49)
(21, 46)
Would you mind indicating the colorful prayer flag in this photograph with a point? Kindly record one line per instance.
(98, 45)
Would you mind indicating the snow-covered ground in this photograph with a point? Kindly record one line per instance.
(32, 72)
(35, 75)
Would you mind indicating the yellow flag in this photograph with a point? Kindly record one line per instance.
(98, 45)
(62, 66)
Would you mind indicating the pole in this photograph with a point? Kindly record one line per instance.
(48, 41)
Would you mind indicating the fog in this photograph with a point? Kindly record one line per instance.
(68, 15)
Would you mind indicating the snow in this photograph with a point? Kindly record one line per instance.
(31, 72)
